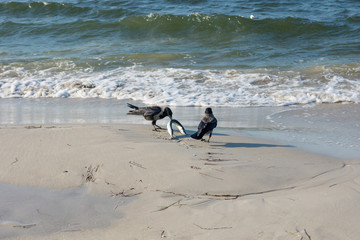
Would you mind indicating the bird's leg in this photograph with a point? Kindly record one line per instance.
(156, 127)
(209, 137)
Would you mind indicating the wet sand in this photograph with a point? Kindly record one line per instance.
(330, 129)
(233, 187)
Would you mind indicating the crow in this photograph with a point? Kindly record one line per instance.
(206, 125)
(152, 113)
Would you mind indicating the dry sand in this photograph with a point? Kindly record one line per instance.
(230, 188)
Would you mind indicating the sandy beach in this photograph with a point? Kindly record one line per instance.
(128, 182)
(281, 77)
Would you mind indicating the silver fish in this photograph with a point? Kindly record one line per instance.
(178, 125)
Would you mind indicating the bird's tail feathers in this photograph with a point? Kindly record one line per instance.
(135, 112)
(132, 106)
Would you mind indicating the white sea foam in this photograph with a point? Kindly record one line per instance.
(177, 87)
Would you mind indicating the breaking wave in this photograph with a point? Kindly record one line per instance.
(182, 87)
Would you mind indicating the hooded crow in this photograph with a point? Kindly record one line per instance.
(206, 126)
(152, 113)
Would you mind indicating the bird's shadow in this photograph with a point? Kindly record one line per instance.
(250, 145)
(235, 144)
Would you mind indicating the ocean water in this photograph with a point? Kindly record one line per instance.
(182, 52)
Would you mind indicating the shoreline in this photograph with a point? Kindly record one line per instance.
(180, 189)
(330, 129)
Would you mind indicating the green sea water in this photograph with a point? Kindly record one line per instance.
(223, 53)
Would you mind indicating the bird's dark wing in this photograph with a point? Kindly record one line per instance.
(150, 112)
(202, 125)
(206, 125)
(203, 128)
(207, 122)
(213, 123)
